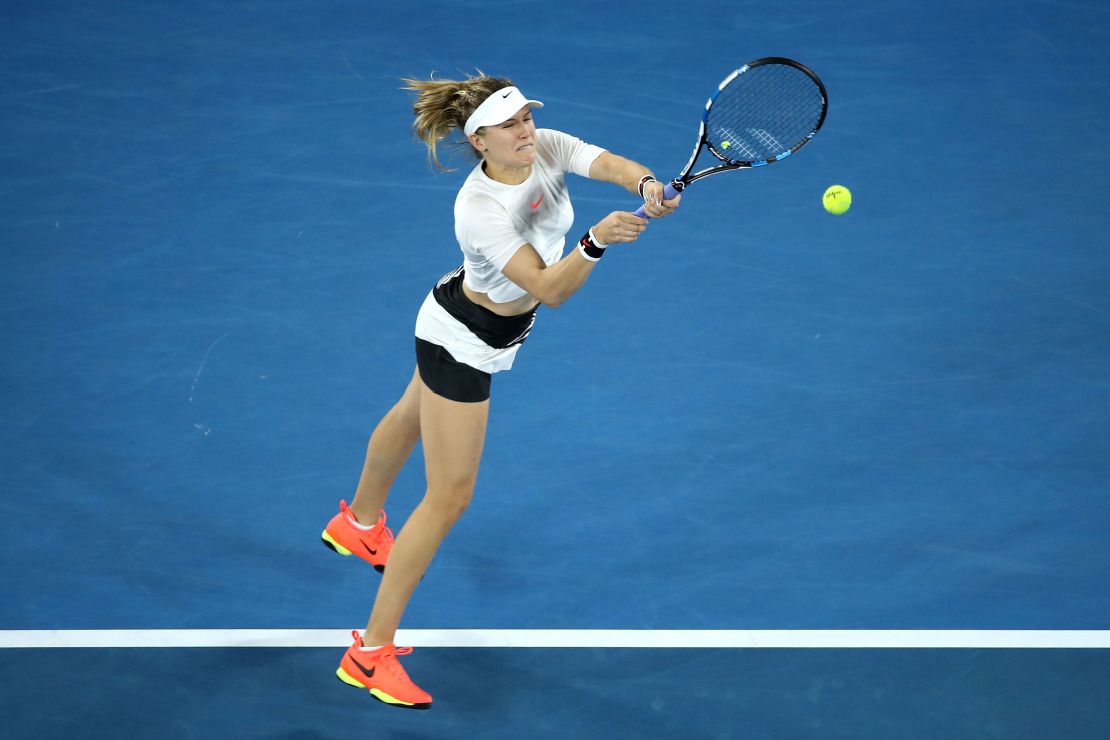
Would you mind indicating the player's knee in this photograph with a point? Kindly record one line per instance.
(450, 500)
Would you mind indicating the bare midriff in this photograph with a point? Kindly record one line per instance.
(524, 304)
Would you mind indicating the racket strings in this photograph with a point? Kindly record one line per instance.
(765, 112)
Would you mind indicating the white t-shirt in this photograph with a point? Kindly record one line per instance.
(493, 220)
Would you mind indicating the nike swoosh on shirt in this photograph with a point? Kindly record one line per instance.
(537, 203)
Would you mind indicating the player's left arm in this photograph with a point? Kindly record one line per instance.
(609, 167)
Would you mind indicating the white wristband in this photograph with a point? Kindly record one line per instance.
(589, 248)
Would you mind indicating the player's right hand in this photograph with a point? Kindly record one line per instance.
(619, 227)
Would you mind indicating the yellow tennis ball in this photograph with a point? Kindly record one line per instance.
(837, 199)
(726, 144)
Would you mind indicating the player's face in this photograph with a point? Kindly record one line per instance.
(512, 144)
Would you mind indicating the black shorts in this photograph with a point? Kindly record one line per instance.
(439, 370)
(448, 377)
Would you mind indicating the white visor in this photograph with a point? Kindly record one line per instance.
(498, 108)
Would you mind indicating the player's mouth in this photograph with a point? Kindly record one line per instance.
(525, 147)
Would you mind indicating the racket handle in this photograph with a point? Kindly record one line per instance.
(669, 192)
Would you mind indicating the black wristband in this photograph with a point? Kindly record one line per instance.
(644, 181)
(589, 247)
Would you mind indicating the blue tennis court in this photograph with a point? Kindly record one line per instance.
(217, 229)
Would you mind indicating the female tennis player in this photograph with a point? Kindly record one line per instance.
(511, 219)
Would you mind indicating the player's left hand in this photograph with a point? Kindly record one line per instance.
(654, 205)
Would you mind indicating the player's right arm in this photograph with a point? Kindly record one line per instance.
(552, 285)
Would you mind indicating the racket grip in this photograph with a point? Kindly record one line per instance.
(669, 192)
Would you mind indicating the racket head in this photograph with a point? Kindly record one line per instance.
(764, 112)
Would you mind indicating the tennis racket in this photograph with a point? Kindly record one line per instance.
(761, 113)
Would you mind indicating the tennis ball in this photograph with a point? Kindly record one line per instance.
(726, 144)
(837, 199)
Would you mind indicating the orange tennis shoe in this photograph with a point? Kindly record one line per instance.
(381, 673)
(347, 537)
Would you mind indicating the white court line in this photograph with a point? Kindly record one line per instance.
(750, 639)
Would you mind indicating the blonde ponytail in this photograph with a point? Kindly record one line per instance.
(443, 106)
